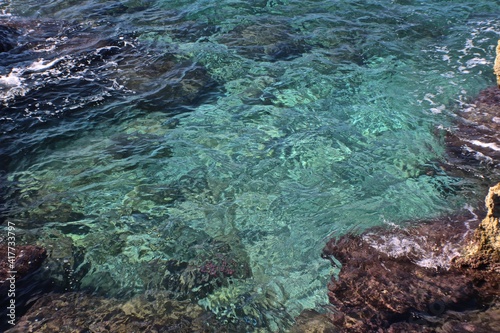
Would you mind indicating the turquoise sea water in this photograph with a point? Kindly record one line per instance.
(295, 121)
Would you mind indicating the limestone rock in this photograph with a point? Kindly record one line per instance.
(496, 67)
(483, 251)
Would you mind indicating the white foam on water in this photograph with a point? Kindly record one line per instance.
(400, 245)
(478, 155)
(441, 259)
(489, 145)
(12, 80)
(41, 64)
(394, 245)
(438, 109)
(471, 63)
(12, 85)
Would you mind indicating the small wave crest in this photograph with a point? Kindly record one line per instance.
(425, 248)
(56, 67)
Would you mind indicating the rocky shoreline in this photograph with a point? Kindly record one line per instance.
(434, 276)
(441, 275)
(423, 278)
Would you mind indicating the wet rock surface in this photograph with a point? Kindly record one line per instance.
(424, 278)
(376, 288)
(24, 260)
(69, 67)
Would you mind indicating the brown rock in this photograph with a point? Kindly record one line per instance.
(17, 283)
(406, 279)
(483, 251)
(310, 321)
(26, 259)
(78, 312)
(377, 288)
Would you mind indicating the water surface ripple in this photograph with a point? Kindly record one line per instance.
(230, 137)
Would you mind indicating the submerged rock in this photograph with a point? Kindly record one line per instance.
(271, 41)
(150, 312)
(191, 31)
(136, 144)
(24, 259)
(60, 70)
(310, 321)
(426, 278)
(17, 266)
(165, 83)
(8, 36)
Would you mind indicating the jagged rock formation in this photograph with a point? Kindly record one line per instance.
(17, 266)
(482, 253)
(425, 278)
(26, 259)
(484, 250)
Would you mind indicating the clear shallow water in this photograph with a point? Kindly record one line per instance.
(334, 124)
